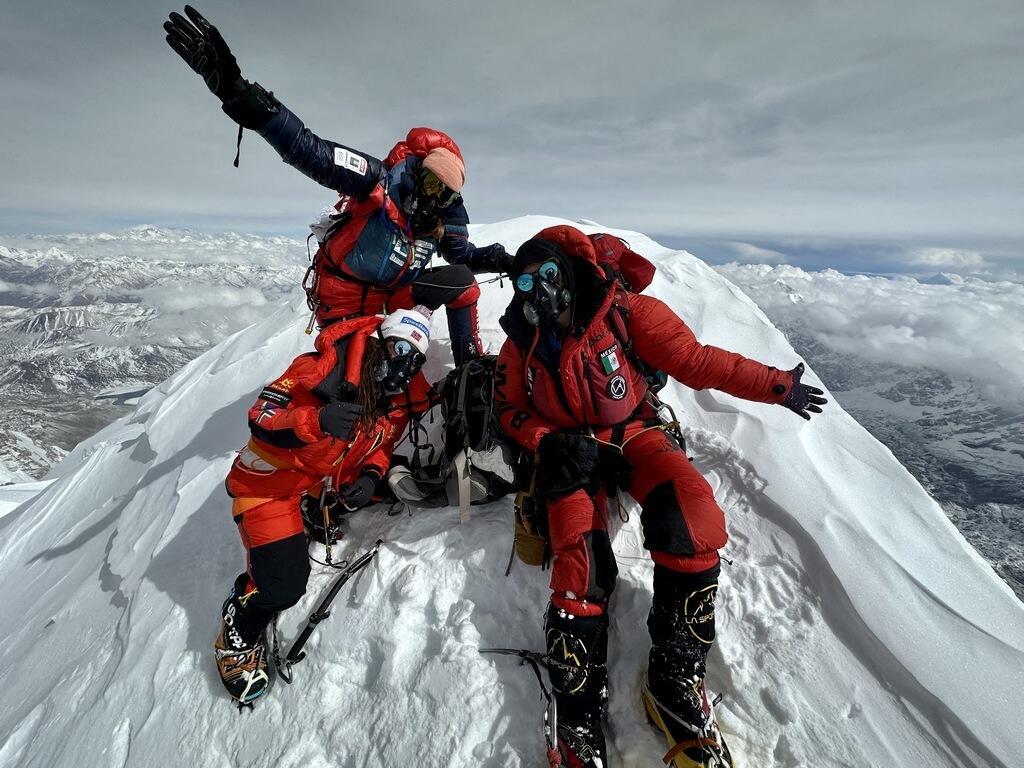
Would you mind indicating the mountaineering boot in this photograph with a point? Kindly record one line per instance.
(682, 627)
(577, 651)
(241, 647)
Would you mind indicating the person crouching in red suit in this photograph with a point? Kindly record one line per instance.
(571, 387)
(326, 428)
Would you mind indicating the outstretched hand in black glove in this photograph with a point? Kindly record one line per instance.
(490, 258)
(803, 399)
(200, 44)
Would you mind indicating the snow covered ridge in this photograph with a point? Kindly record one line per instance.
(857, 626)
(936, 371)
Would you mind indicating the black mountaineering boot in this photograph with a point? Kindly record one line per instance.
(241, 646)
(577, 650)
(682, 627)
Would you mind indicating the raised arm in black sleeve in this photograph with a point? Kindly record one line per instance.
(203, 48)
(334, 166)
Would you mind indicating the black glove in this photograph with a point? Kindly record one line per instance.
(490, 258)
(340, 419)
(199, 43)
(358, 494)
(567, 464)
(802, 397)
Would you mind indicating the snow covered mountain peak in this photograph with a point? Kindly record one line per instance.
(857, 627)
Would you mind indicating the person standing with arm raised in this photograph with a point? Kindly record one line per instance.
(393, 216)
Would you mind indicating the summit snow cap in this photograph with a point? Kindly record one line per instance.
(413, 325)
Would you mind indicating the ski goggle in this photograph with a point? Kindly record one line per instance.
(431, 186)
(548, 272)
(404, 350)
(401, 347)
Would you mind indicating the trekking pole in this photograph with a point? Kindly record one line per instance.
(295, 653)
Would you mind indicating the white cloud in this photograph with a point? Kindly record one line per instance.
(748, 253)
(187, 299)
(33, 289)
(967, 328)
(947, 258)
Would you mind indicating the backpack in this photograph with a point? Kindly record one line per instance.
(479, 464)
(632, 273)
(481, 458)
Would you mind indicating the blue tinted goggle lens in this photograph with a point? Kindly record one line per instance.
(548, 271)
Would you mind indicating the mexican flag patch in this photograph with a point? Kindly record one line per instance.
(610, 359)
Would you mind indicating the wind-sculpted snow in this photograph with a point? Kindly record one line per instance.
(857, 627)
(944, 397)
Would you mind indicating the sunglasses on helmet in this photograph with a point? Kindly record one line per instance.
(431, 186)
(548, 272)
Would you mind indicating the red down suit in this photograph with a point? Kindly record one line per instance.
(594, 384)
(289, 456)
(371, 258)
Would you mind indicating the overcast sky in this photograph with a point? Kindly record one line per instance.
(751, 121)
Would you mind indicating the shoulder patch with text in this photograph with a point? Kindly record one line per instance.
(350, 160)
(275, 396)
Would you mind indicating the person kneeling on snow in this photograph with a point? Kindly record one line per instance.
(322, 438)
(393, 216)
(572, 388)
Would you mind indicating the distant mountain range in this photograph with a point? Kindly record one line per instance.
(89, 315)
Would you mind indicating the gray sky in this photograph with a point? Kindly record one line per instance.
(743, 120)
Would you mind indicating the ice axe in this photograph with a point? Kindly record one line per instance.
(295, 653)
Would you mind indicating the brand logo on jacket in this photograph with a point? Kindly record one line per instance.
(617, 387)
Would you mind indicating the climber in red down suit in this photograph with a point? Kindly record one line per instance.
(377, 244)
(322, 437)
(571, 385)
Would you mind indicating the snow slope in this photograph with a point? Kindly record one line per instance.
(857, 627)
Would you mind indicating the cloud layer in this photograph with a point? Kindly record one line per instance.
(967, 328)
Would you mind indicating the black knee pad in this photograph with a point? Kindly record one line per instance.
(663, 522)
(442, 285)
(280, 570)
